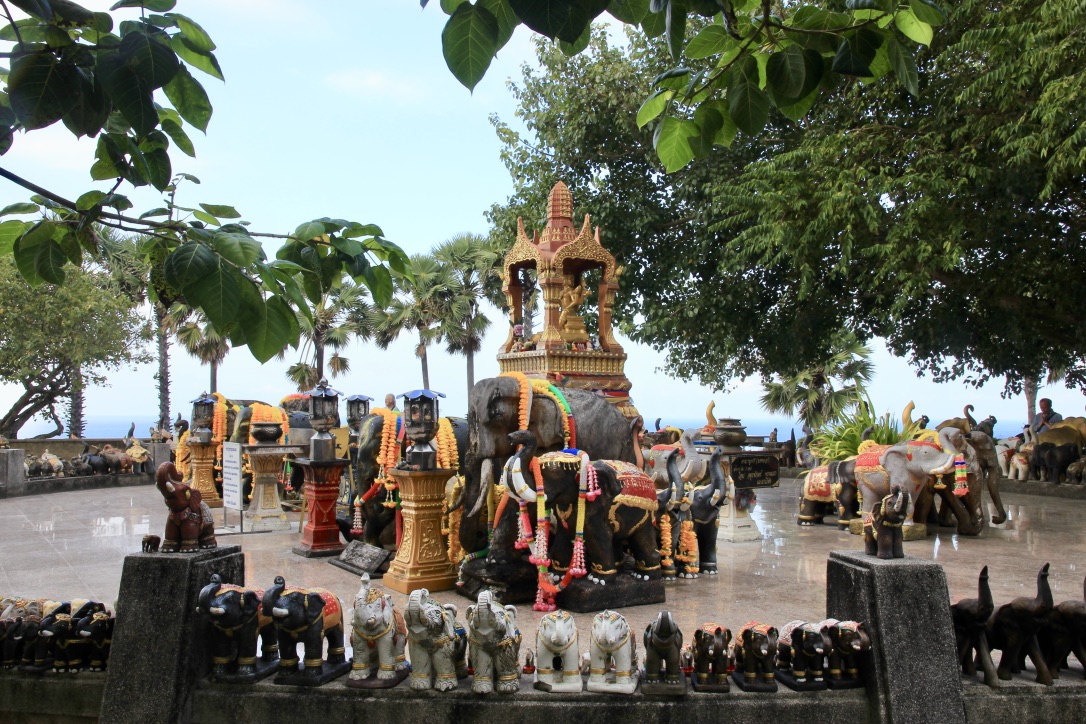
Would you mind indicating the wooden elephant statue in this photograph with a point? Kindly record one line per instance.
(801, 654)
(882, 531)
(236, 620)
(970, 616)
(1013, 629)
(97, 631)
(307, 616)
(663, 641)
(189, 525)
(558, 666)
(378, 636)
(1064, 633)
(712, 657)
(438, 642)
(846, 644)
(494, 646)
(612, 643)
(755, 654)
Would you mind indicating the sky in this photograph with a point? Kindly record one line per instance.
(347, 110)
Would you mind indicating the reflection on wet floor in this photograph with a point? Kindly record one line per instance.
(73, 544)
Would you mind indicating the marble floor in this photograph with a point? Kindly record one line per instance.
(71, 545)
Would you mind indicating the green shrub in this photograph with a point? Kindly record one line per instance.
(842, 440)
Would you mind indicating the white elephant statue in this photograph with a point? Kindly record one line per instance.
(438, 643)
(494, 649)
(1005, 450)
(1019, 467)
(612, 643)
(378, 636)
(556, 642)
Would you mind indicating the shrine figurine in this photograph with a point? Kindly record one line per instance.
(378, 637)
(307, 616)
(754, 651)
(438, 642)
(882, 528)
(663, 642)
(494, 646)
(236, 619)
(801, 656)
(558, 666)
(189, 525)
(712, 656)
(140, 457)
(612, 646)
(848, 646)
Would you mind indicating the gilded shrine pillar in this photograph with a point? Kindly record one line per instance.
(203, 472)
(320, 536)
(266, 510)
(422, 560)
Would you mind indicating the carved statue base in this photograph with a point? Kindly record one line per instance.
(422, 560)
(374, 683)
(583, 596)
(513, 582)
(736, 526)
(320, 537)
(663, 688)
(785, 677)
(266, 510)
(264, 669)
(755, 685)
(203, 473)
(298, 677)
(707, 688)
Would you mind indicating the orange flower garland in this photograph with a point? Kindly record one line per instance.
(688, 546)
(525, 408)
(389, 455)
(184, 456)
(542, 387)
(447, 455)
(665, 541)
(267, 413)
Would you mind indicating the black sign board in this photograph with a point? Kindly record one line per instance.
(755, 471)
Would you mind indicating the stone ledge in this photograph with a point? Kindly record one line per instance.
(1036, 487)
(61, 698)
(46, 485)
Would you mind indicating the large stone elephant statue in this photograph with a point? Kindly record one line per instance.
(437, 640)
(236, 621)
(494, 412)
(494, 646)
(306, 616)
(622, 515)
(694, 468)
(378, 635)
(830, 488)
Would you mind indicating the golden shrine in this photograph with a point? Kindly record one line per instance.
(563, 353)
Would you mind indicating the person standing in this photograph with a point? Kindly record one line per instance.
(390, 402)
(1046, 417)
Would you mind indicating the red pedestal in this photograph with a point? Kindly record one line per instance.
(320, 537)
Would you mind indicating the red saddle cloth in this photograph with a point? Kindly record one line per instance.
(818, 485)
(869, 459)
(634, 480)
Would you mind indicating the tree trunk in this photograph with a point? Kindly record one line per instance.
(76, 424)
(163, 340)
(1029, 388)
(471, 371)
(318, 355)
(425, 366)
(214, 376)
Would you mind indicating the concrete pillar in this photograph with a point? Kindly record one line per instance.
(12, 475)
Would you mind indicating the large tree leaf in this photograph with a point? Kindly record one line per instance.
(912, 28)
(927, 11)
(49, 262)
(160, 170)
(41, 89)
(217, 294)
(150, 56)
(379, 281)
(786, 73)
(26, 250)
(710, 40)
(180, 138)
(265, 327)
(631, 12)
(91, 109)
(673, 142)
(240, 249)
(207, 62)
(11, 230)
(309, 230)
(130, 91)
(221, 211)
(188, 263)
(856, 52)
(197, 37)
(469, 42)
(507, 19)
(20, 207)
(904, 64)
(571, 49)
(653, 106)
(747, 103)
(39, 8)
(676, 27)
(189, 98)
(155, 6)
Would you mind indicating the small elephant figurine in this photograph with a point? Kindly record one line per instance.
(558, 667)
(378, 636)
(97, 631)
(882, 531)
(755, 652)
(140, 457)
(970, 617)
(236, 619)
(306, 616)
(846, 644)
(612, 642)
(495, 646)
(438, 643)
(68, 649)
(151, 543)
(801, 655)
(1013, 628)
(712, 655)
(1064, 633)
(189, 525)
(663, 642)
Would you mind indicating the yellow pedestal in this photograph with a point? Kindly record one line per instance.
(422, 560)
(203, 473)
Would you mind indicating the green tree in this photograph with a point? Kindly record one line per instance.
(824, 394)
(51, 331)
(474, 262)
(421, 304)
(199, 338)
(339, 317)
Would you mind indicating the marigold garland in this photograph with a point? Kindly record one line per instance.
(183, 455)
(389, 455)
(267, 413)
(665, 541)
(688, 546)
(450, 522)
(447, 454)
(524, 409)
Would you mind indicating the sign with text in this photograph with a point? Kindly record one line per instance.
(231, 475)
(755, 471)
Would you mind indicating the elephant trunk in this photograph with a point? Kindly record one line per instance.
(271, 597)
(673, 495)
(993, 491)
(204, 600)
(414, 604)
(1044, 591)
(764, 648)
(967, 414)
(636, 426)
(984, 595)
(966, 523)
(866, 434)
(165, 477)
(716, 474)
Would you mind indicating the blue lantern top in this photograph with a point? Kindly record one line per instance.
(362, 398)
(205, 399)
(416, 394)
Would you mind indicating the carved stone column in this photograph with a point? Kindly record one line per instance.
(203, 472)
(320, 537)
(266, 511)
(422, 560)
(551, 285)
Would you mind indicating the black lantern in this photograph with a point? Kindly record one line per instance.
(323, 415)
(358, 406)
(420, 414)
(203, 411)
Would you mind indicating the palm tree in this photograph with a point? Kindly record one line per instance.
(471, 260)
(339, 317)
(199, 337)
(821, 394)
(420, 303)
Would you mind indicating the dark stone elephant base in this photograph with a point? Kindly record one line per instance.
(785, 677)
(583, 596)
(264, 669)
(756, 685)
(663, 688)
(298, 677)
(513, 582)
(714, 688)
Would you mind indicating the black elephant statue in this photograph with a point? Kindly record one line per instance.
(92, 460)
(829, 489)
(801, 655)
(1055, 462)
(663, 643)
(1013, 629)
(882, 531)
(755, 654)
(970, 617)
(494, 412)
(306, 616)
(1037, 458)
(622, 514)
(236, 619)
(59, 631)
(847, 645)
(97, 631)
(1064, 633)
(705, 504)
(712, 657)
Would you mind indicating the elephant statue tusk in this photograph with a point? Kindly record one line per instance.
(486, 481)
(516, 483)
(280, 612)
(216, 611)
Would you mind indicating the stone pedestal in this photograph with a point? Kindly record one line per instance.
(203, 472)
(12, 474)
(266, 511)
(160, 453)
(320, 536)
(422, 560)
(159, 651)
(736, 526)
(905, 605)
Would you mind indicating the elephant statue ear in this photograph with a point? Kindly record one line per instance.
(511, 615)
(250, 602)
(314, 604)
(451, 607)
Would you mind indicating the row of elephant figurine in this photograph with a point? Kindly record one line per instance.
(1035, 627)
(1048, 462)
(109, 460)
(64, 636)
